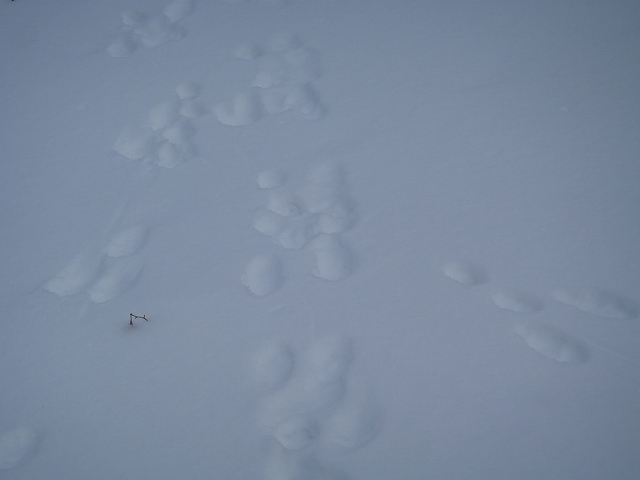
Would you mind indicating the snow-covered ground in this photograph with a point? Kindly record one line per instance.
(373, 239)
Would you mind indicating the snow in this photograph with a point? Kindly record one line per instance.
(464, 273)
(372, 239)
(263, 275)
(16, 446)
(552, 343)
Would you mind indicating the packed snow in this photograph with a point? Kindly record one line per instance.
(371, 239)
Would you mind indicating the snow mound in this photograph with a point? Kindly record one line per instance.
(263, 275)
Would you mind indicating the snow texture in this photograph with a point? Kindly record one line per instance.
(367, 236)
(552, 343)
(598, 302)
(263, 275)
(17, 446)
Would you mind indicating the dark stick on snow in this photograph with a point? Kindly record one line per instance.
(132, 316)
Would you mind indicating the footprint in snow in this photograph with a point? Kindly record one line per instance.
(103, 273)
(552, 343)
(284, 82)
(547, 339)
(308, 403)
(598, 302)
(312, 215)
(77, 275)
(263, 275)
(544, 339)
(17, 446)
(166, 139)
(143, 30)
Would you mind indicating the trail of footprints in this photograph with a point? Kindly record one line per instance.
(103, 273)
(164, 140)
(284, 81)
(309, 403)
(544, 338)
(306, 402)
(311, 217)
(150, 30)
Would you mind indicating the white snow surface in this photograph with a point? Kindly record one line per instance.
(286, 189)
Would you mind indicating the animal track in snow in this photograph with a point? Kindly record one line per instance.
(313, 215)
(104, 273)
(77, 275)
(547, 339)
(143, 30)
(286, 70)
(17, 446)
(552, 343)
(166, 138)
(598, 302)
(310, 405)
